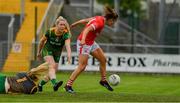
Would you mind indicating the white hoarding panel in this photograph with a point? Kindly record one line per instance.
(129, 63)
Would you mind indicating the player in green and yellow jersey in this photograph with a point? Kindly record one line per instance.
(50, 48)
(23, 82)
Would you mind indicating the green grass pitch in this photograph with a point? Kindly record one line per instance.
(133, 88)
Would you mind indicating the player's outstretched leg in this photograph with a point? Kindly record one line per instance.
(57, 85)
(69, 89)
(40, 88)
(40, 85)
(106, 85)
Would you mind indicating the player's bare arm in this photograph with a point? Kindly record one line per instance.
(86, 31)
(41, 44)
(68, 48)
(83, 21)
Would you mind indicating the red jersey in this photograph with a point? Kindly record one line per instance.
(97, 23)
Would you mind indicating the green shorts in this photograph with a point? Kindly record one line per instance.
(2, 84)
(55, 53)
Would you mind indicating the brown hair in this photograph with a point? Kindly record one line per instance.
(110, 13)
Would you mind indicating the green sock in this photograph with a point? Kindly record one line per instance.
(53, 81)
(42, 82)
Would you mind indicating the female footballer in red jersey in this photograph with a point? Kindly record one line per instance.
(86, 45)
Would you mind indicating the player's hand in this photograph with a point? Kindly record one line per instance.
(82, 42)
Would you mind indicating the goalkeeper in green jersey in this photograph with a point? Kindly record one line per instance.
(23, 82)
(50, 48)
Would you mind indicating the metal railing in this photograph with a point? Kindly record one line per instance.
(17, 56)
(11, 32)
(107, 48)
(10, 35)
(14, 7)
(139, 37)
(140, 48)
(137, 48)
(50, 16)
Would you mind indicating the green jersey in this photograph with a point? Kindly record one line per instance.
(2, 84)
(54, 44)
